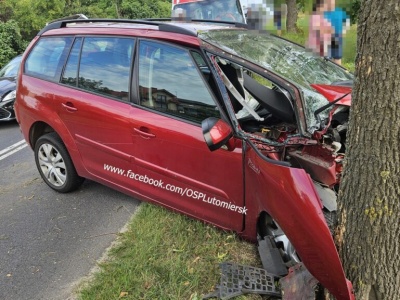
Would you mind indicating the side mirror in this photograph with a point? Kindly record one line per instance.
(216, 132)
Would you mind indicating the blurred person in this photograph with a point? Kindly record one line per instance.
(278, 12)
(320, 30)
(340, 23)
(256, 17)
(229, 12)
(179, 14)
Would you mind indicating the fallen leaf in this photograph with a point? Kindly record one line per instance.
(147, 285)
(229, 237)
(4, 237)
(196, 259)
(123, 294)
(222, 255)
(194, 297)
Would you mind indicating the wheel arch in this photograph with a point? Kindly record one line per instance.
(260, 222)
(38, 129)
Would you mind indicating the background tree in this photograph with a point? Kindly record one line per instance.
(369, 228)
(291, 19)
(10, 41)
(5, 11)
(145, 9)
(352, 8)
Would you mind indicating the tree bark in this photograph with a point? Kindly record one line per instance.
(368, 235)
(291, 20)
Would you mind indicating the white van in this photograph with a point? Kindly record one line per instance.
(220, 10)
(217, 10)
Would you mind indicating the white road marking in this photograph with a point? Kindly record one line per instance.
(12, 149)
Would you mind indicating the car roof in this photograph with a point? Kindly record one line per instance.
(186, 27)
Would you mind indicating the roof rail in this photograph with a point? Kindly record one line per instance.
(162, 25)
(188, 19)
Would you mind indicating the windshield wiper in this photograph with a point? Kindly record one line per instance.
(321, 109)
(348, 83)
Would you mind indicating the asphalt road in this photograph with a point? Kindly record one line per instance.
(49, 241)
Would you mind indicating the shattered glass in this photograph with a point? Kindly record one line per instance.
(291, 61)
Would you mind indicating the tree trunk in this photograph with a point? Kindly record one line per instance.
(291, 20)
(117, 10)
(368, 235)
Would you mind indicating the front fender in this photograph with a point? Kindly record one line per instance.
(289, 196)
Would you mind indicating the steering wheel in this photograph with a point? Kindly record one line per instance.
(226, 17)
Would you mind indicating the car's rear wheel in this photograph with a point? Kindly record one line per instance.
(55, 165)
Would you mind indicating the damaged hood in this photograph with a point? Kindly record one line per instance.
(332, 92)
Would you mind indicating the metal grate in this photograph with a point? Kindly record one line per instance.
(239, 279)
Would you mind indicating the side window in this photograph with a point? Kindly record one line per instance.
(105, 66)
(48, 57)
(70, 75)
(169, 81)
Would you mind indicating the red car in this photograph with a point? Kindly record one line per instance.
(231, 126)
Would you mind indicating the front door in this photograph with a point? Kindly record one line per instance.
(174, 162)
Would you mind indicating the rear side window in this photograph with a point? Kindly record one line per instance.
(48, 57)
(105, 66)
(71, 69)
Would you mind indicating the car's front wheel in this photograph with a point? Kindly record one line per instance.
(55, 165)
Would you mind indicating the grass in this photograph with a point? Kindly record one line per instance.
(164, 255)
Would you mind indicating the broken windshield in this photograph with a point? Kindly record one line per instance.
(282, 57)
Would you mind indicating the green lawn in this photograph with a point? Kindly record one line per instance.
(165, 255)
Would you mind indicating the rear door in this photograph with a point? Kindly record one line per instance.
(176, 166)
(93, 102)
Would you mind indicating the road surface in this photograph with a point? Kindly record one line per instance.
(49, 241)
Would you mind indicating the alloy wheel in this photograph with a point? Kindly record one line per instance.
(52, 165)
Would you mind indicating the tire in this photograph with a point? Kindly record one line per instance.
(55, 165)
(269, 227)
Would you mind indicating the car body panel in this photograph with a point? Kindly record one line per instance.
(8, 85)
(177, 154)
(332, 92)
(98, 142)
(291, 198)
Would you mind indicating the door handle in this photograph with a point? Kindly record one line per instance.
(143, 133)
(69, 107)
